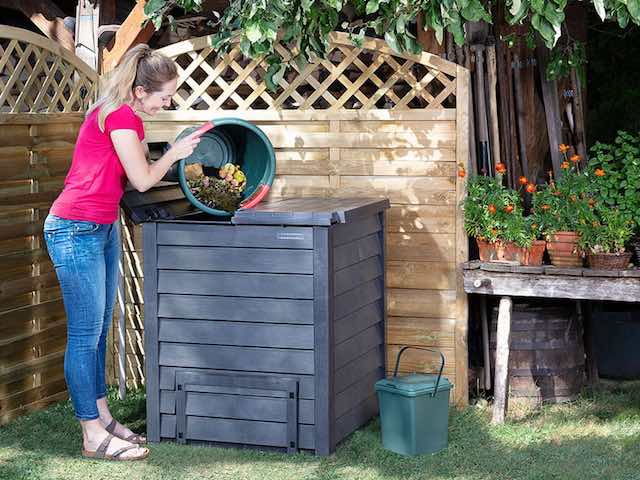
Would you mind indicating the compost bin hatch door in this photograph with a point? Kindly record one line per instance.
(310, 211)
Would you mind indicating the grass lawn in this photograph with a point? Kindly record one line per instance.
(597, 437)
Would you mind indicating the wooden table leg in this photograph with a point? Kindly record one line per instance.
(501, 375)
(591, 360)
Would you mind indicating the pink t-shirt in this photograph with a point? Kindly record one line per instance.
(96, 180)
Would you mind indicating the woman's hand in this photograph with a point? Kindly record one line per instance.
(184, 147)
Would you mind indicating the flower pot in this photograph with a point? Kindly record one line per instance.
(534, 254)
(501, 252)
(490, 251)
(563, 249)
(609, 261)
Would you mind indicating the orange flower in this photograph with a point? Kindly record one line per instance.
(534, 226)
(523, 180)
(564, 148)
(508, 208)
(494, 231)
(462, 173)
(531, 188)
(592, 202)
(575, 158)
(492, 209)
(501, 167)
(573, 198)
(599, 172)
(564, 165)
(546, 207)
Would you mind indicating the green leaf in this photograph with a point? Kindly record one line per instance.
(306, 5)
(515, 7)
(153, 6)
(392, 40)
(475, 12)
(633, 6)
(253, 33)
(372, 6)
(245, 47)
(599, 5)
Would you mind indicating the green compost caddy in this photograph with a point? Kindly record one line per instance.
(414, 410)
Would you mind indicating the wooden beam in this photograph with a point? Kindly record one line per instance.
(136, 29)
(501, 387)
(47, 16)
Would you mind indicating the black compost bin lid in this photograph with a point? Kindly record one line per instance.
(310, 211)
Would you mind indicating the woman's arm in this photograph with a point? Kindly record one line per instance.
(131, 152)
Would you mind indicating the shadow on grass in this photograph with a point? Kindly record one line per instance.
(597, 436)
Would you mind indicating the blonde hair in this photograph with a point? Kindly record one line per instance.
(140, 66)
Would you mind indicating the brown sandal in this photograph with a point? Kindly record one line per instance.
(101, 452)
(133, 438)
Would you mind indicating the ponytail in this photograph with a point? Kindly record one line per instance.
(140, 66)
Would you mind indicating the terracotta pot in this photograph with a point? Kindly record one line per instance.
(514, 253)
(563, 250)
(535, 253)
(491, 251)
(501, 252)
(609, 261)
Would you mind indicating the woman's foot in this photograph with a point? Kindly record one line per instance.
(98, 443)
(120, 431)
(115, 428)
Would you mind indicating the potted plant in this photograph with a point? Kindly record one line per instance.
(614, 173)
(559, 209)
(605, 237)
(493, 215)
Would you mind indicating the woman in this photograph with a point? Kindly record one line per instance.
(83, 240)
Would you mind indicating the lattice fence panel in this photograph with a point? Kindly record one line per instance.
(351, 78)
(36, 76)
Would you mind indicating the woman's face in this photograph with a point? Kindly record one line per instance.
(151, 102)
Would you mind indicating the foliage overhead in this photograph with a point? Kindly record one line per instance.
(303, 26)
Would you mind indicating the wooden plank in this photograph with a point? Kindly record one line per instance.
(357, 298)
(134, 30)
(306, 383)
(236, 406)
(236, 333)
(421, 332)
(21, 229)
(349, 232)
(426, 247)
(412, 126)
(501, 383)
(357, 274)
(463, 94)
(237, 431)
(236, 284)
(551, 286)
(199, 234)
(237, 358)
(47, 17)
(351, 372)
(421, 275)
(356, 251)
(193, 117)
(358, 321)
(401, 190)
(302, 161)
(27, 284)
(32, 407)
(300, 186)
(421, 218)
(390, 162)
(323, 308)
(404, 302)
(352, 396)
(261, 260)
(237, 309)
(357, 345)
(356, 417)
(43, 376)
(26, 397)
(421, 361)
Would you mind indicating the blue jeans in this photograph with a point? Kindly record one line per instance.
(85, 256)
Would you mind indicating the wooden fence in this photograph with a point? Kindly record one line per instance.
(364, 122)
(43, 92)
